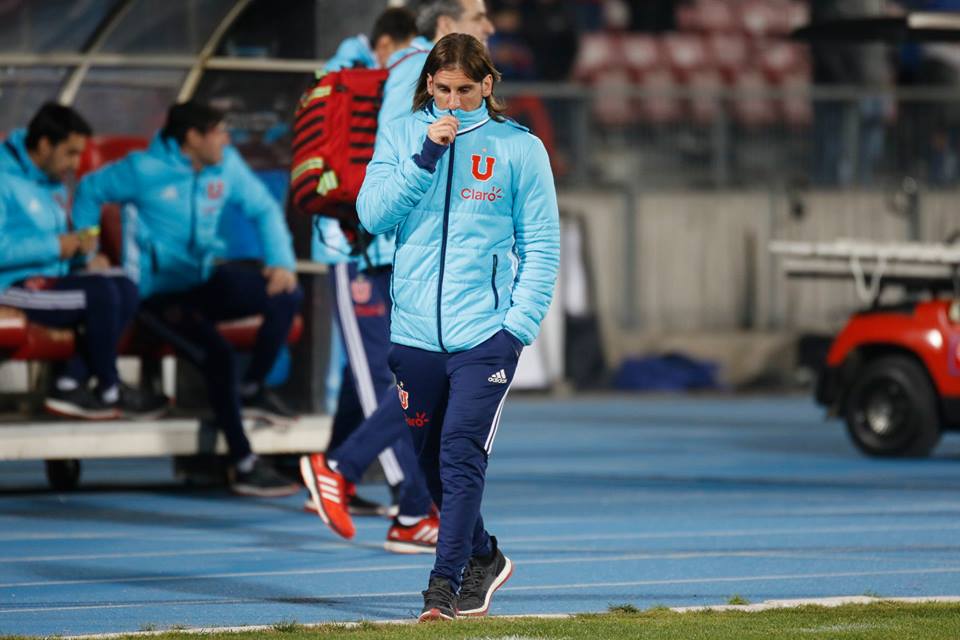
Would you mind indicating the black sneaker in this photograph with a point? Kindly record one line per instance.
(360, 506)
(137, 404)
(438, 601)
(262, 481)
(79, 403)
(481, 578)
(265, 405)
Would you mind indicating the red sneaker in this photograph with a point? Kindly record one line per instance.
(420, 537)
(328, 489)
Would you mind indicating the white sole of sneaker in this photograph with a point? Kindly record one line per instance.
(501, 578)
(68, 410)
(271, 418)
(259, 492)
(310, 480)
(408, 548)
(433, 614)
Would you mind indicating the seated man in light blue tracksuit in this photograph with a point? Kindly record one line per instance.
(471, 196)
(44, 268)
(178, 189)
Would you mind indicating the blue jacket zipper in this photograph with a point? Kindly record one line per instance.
(493, 283)
(443, 245)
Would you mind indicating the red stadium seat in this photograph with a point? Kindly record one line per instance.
(641, 53)
(662, 107)
(796, 106)
(730, 53)
(717, 15)
(778, 59)
(762, 18)
(705, 104)
(753, 111)
(685, 53)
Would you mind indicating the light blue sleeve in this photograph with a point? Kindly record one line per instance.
(249, 193)
(351, 51)
(393, 186)
(116, 182)
(536, 224)
(399, 88)
(20, 248)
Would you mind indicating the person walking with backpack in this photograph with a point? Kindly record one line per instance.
(349, 453)
(364, 427)
(471, 197)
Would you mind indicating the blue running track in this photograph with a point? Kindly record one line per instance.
(601, 501)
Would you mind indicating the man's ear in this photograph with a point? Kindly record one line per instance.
(444, 26)
(430, 88)
(192, 139)
(486, 86)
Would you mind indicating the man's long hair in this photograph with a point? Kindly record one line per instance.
(466, 53)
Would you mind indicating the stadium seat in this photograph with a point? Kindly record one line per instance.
(753, 111)
(763, 18)
(716, 15)
(685, 54)
(796, 106)
(704, 107)
(730, 53)
(663, 106)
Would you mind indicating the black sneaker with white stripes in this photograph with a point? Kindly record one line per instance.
(481, 578)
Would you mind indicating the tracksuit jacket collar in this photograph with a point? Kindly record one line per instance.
(469, 120)
(18, 161)
(169, 151)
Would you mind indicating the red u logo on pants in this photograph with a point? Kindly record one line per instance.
(487, 172)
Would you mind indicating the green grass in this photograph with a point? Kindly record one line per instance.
(737, 599)
(879, 621)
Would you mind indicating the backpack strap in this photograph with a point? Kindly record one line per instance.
(416, 52)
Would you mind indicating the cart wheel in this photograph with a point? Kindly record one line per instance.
(63, 475)
(891, 409)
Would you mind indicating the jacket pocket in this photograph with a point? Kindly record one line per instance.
(493, 283)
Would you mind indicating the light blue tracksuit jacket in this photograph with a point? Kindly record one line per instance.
(32, 216)
(171, 242)
(478, 237)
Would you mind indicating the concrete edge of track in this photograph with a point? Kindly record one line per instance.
(766, 605)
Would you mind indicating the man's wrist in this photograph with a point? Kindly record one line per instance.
(429, 155)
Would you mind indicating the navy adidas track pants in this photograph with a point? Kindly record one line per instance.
(369, 423)
(102, 303)
(453, 403)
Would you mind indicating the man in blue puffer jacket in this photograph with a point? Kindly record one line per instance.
(43, 268)
(471, 196)
(178, 189)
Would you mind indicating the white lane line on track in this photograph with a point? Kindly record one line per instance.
(734, 533)
(525, 588)
(411, 567)
(198, 535)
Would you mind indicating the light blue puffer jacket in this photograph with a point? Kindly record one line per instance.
(176, 213)
(32, 216)
(478, 239)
